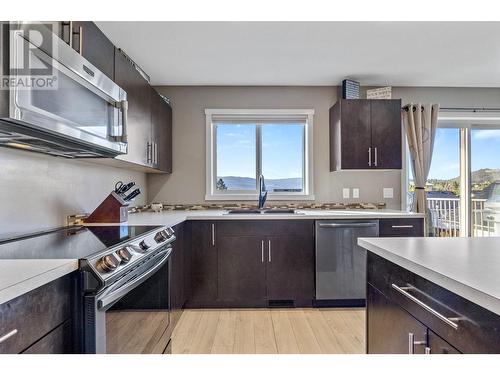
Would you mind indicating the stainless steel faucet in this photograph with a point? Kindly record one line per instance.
(262, 192)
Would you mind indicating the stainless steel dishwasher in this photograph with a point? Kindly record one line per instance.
(340, 262)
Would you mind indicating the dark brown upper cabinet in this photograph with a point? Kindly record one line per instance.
(90, 42)
(161, 131)
(139, 110)
(365, 134)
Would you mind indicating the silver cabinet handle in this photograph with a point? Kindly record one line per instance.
(412, 343)
(427, 350)
(347, 225)
(262, 251)
(8, 335)
(80, 40)
(369, 156)
(376, 156)
(403, 291)
(156, 153)
(149, 146)
(402, 226)
(269, 242)
(213, 234)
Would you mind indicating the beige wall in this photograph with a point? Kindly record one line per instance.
(187, 182)
(38, 191)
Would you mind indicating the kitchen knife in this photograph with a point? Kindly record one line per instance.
(132, 195)
(124, 188)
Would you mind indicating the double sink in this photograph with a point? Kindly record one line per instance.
(273, 211)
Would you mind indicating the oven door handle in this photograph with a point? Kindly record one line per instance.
(109, 298)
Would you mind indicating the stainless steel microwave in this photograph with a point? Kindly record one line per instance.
(52, 100)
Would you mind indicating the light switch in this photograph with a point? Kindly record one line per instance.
(388, 193)
(355, 193)
(345, 193)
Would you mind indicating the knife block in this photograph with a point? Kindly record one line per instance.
(113, 209)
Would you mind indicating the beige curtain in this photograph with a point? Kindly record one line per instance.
(420, 121)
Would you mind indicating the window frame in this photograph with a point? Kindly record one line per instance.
(211, 193)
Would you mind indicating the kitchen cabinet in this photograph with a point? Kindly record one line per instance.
(203, 264)
(402, 227)
(160, 145)
(256, 263)
(139, 110)
(452, 324)
(39, 321)
(365, 134)
(90, 42)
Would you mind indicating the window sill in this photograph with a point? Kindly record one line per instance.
(253, 197)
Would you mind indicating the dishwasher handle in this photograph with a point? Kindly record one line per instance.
(347, 225)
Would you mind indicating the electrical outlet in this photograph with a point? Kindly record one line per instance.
(388, 193)
(355, 193)
(345, 193)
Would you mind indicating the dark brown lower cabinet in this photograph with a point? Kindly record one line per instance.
(38, 321)
(436, 345)
(290, 269)
(241, 271)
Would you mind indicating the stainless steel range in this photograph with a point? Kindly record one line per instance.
(126, 296)
(122, 292)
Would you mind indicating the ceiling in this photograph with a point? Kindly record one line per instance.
(313, 53)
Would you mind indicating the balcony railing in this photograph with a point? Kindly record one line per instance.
(445, 217)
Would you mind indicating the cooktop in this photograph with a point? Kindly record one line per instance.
(70, 243)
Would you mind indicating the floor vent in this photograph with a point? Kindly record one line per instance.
(281, 303)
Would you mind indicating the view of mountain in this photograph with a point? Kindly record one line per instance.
(248, 183)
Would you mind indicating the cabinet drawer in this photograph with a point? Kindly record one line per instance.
(478, 329)
(404, 227)
(58, 341)
(34, 314)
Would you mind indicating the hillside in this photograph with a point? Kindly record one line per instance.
(481, 176)
(248, 183)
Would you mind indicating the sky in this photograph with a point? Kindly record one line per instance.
(485, 152)
(282, 150)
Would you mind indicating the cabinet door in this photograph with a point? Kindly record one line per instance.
(390, 329)
(139, 110)
(386, 131)
(203, 263)
(355, 133)
(439, 346)
(161, 122)
(290, 268)
(242, 271)
(91, 43)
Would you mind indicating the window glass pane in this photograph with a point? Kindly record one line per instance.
(236, 157)
(485, 182)
(283, 157)
(443, 184)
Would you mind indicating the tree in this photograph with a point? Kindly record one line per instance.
(221, 185)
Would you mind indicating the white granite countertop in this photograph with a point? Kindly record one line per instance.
(469, 267)
(19, 276)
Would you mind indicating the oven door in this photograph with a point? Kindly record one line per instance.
(82, 104)
(133, 315)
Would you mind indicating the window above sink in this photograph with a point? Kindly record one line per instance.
(243, 144)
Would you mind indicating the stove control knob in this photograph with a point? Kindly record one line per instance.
(124, 254)
(161, 236)
(107, 263)
(143, 245)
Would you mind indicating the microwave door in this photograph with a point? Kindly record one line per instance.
(74, 108)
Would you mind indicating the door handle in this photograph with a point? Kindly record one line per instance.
(369, 156)
(213, 234)
(269, 254)
(376, 156)
(262, 251)
(149, 146)
(401, 226)
(124, 109)
(412, 343)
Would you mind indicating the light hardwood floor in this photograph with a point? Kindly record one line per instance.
(247, 331)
